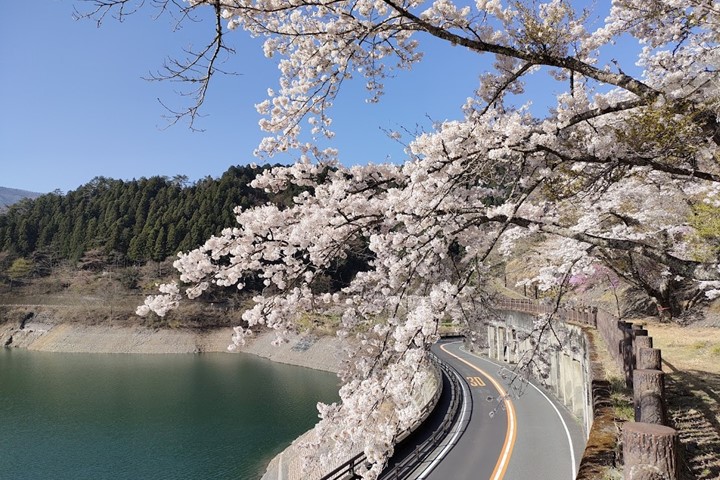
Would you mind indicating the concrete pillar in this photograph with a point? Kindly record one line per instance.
(492, 341)
(588, 404)
(578, 389)
(555, 373)
(514, 348)
(501, 344)
(565, 379)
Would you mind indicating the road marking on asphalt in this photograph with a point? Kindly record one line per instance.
(511, 432)
(475, 381)
(573, 464)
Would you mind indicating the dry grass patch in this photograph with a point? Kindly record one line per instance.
(321, 325)
(693, 405)
(688, 348)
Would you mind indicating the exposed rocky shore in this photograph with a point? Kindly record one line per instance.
(42, 334)
(68, 337)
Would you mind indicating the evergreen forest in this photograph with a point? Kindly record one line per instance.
(134, 221)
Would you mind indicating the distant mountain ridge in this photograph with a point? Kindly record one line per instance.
(8, 196)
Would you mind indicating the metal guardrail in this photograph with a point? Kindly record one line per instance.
(346, 471)
(583, 315)
(421, 452)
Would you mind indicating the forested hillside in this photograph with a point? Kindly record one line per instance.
(145, 219)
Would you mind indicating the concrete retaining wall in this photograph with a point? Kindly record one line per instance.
(564, 368)
(576, 380)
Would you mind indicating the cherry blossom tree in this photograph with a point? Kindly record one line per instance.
(612, 174)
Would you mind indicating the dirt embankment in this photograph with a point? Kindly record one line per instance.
(43, 333)
(68, 337)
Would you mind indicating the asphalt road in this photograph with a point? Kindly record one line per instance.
(530, 436)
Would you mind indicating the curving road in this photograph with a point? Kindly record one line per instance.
(527, 437)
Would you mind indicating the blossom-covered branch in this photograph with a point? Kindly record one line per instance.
(616, 175)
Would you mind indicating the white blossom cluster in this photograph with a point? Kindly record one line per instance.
(613, 171)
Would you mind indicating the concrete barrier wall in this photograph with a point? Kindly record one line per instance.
(559, 359)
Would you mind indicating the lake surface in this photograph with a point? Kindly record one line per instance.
(210, 416)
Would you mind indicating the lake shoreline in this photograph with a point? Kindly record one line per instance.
(310, 351)
(186, 416)
(316, 352)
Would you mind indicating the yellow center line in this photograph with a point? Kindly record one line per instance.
(511, 432)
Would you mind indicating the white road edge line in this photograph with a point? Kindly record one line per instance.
(567, 431)
(458, 431)
(562, 420)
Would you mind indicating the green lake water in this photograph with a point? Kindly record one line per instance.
(155, 417)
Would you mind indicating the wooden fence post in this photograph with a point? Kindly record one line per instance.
(649, 396)
(650, 452)
(649, 358)
(626, 351)
(642, 341)
(638, 330)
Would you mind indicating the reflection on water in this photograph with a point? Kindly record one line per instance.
(91, 416)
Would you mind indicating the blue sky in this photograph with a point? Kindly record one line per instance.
(75, 105)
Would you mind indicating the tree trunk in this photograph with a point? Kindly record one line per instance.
(649, 391)
(650, 452)
(675, 295)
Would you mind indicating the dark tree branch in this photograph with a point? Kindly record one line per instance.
(598, 112)
(197, 69)
(687, 268)
(621, 80)
(634, 162)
